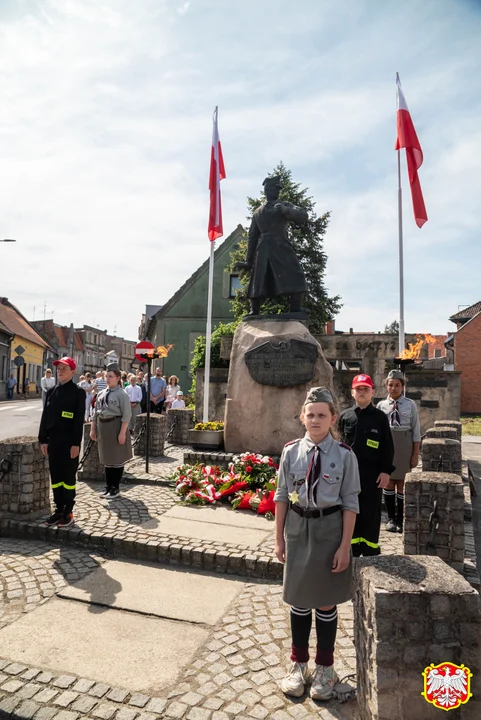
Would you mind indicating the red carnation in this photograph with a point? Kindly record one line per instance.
(249, 469)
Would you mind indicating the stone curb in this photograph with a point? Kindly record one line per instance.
(166, 550)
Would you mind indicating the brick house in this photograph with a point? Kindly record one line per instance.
(466, 346)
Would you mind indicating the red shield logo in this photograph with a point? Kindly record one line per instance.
(447, 686)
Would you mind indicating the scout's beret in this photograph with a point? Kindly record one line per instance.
(113, 367)
(275, 180)
(396, 375)
(319, 394)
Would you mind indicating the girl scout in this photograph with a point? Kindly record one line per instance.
(317, 503)
(109, 426)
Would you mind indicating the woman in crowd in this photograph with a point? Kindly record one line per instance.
(109, 428)
(135, 396)
(87, 384)
(47, 383)
(173, 388)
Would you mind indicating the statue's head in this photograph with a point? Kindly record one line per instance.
(272, 187)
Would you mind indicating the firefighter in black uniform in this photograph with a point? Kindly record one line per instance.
(60, 437)
(368, 433)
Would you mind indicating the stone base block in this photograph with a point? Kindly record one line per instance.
(158, 432)
(441, 454)
(24, 479)
(179, 422)
(410, 612)
(451, 424)
(442, 432)
(92, 468)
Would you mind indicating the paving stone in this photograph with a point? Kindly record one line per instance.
(148, 716)
(27, 709)
(127, 714)
(99, 690)
(139, 700)
(191, 698)
(46, 695)
(66, 715)
(117, 695)
(28, 691)
(46, 713)
(30, 674)
(12, 686)
(234, 708)
(259, 712)
(156, 705)
(65, 698)
(213, 703)
(64, 681)
(105, 711)
(83, 686)
(14, 669)
(45, 677)
(197, 713)
(84, 704)
(176, 710)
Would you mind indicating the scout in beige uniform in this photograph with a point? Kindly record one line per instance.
(109, 426)
(406, 434)
(316, 506)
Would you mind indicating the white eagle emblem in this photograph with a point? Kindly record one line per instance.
(447, 686)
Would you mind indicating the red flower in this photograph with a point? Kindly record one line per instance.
(249, 469)
(233, 489)
(267, 504)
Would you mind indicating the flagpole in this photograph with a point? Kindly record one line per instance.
(401, 254)
(208, 334)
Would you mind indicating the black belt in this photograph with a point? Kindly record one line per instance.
(109, 419)
(314, 513)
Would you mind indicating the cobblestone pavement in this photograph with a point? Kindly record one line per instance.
(159, 467)
(31, 572)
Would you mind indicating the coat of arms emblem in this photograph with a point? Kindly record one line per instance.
(447, 686)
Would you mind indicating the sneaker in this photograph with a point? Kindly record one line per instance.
(391, 525)
(105, 493)
(296, 679)
(114, 493)
(323, 681)
(66, 521)
(399, 528)
(54, 518)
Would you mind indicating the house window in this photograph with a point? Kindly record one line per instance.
(438, 352)
(234, 285)
(95, 339)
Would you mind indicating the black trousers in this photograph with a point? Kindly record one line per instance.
(365, 539)
(63, 474)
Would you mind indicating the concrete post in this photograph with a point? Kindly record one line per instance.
(24, 479)
(421, 490)
(441, 454)
(410, 612)
(181, 422)
(158, 431)
(452, 424)
(92, 469)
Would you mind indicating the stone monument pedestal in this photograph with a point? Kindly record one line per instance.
(273, 364)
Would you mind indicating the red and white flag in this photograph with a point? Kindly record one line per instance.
(407, 138)
(217, 173)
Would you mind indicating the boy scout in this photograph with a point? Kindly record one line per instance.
(367, 431)
(60, 437)
(404, 421)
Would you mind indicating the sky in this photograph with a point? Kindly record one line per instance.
(105, 135)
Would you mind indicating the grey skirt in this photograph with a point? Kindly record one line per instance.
(311, 544)
(403, 450)
(110, 450)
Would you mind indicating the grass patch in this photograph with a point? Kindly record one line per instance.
(471, 424)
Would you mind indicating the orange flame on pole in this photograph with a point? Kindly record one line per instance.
(160, 352)
(413, 350)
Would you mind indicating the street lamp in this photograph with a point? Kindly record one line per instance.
(8, 240)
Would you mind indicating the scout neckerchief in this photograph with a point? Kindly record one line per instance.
(394, 417)
(313, 475)
(103, 399)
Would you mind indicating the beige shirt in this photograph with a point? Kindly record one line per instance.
(339, 482)
(113, 403)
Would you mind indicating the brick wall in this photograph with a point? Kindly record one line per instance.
(467, 360)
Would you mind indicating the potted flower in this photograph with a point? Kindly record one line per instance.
(207, 436)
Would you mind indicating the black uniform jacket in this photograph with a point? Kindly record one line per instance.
(367, 431)
(63, 415)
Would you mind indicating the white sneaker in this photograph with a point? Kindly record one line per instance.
(323, 681)
(296, 679)
(105, 493)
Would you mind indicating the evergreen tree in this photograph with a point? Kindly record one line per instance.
(307, 240)
(393, 328)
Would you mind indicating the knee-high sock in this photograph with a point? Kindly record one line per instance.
(326, 629)
(400, 508)
(390, 502)
(301, 623)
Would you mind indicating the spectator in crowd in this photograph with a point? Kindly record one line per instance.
(172, 389)
(26, 387)
(179, 402)
(142, 383)
(80, 380)
(88, 385)
(134, 392)
(11, 382)
(157, 392)
(47, 383)
(100, 382)
(124, 379)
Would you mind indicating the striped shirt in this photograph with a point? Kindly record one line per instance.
(100, 384)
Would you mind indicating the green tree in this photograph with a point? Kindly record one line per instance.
(393, 328)
(198, 357)
(308, 244)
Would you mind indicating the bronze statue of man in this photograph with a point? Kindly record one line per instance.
(275, 268)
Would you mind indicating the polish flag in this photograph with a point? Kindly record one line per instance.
(217, 173)
(407, 138)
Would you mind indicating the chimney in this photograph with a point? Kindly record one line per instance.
(330, 327)
(351, 331)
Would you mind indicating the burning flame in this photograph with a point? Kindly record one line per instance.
(413, 350)
(160, 352)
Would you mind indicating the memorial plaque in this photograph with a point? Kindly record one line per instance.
(282, 364)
